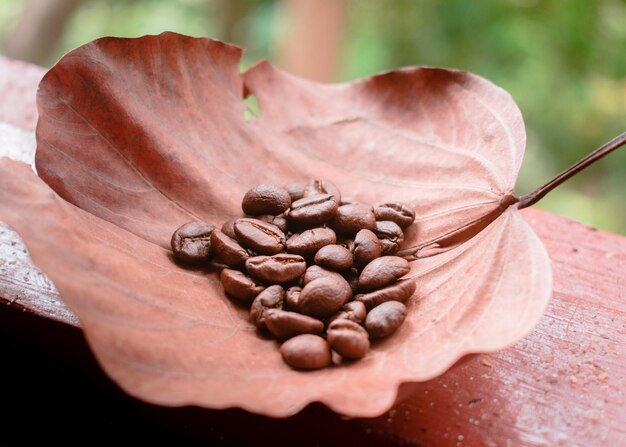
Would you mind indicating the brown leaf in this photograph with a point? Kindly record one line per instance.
(145, 134)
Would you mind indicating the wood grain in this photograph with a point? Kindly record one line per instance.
(563, 384)
(560, 385)
(18, 85)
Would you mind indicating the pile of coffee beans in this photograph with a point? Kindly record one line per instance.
(317, 272)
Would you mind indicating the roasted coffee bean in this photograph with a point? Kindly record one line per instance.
(306, 352)
(281, 268)
(399, 213)
(353, 311)
(309, 242)
(280, 221)
(334, 257)
(228, 250)
(228, 228)
(298, 282)
(348, 339)
(312, 211)
(385, 318)
(348, 243)
(388, 248)
(217, 265)
(286, 228)
(270, 298)
(348, 201)
(366, 248)
(317, 187)
(292, 296)
(249, 253)
(390, 236)
(349, 219)
(191, 243)
(324, 296)
(239, 285)
(315, 272)
(352, 276)
(382, 272)
(262, 237)
(266, 199)
(283, 324)
(399, 291)
(295, 190)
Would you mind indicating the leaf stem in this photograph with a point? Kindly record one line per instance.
(533, 197)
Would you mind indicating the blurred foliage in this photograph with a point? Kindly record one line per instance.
(563, 62)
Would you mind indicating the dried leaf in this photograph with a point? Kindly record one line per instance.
(141, 135)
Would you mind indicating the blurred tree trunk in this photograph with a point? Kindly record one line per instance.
(312, 44)
(38, 29)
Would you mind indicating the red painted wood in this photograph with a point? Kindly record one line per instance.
(563, 384)
(23, 285)
(560, 385)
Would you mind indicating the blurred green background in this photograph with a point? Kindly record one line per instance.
(564, 62)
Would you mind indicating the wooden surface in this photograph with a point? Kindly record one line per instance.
(562, 385)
